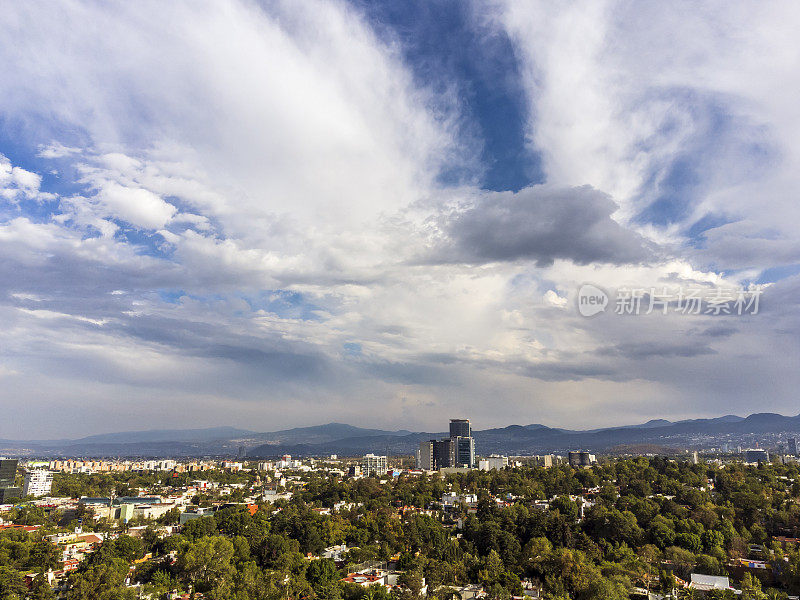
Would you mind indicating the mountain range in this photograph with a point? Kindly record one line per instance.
(350, 440)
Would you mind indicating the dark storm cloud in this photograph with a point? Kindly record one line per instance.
(542, 224)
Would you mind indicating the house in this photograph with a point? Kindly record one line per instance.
(706, 583)
(366, 578)
(335, 553)
(757, 568)
(470, 591)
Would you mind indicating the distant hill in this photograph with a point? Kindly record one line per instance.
(345, 439)
(531, 439)
(318, 434)
(166, 435)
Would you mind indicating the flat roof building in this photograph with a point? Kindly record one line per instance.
(443, 453)
(580, 458)
(425, 456)
(38, 482)
(8, 472)
(460, 428)
(373, 464)
(464, 452)
(493, 462)
(756, 455)
(8, 479)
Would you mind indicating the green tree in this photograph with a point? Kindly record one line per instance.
(12, 587)
(205, 565)
(321, 573)
(103, 580)
(40, 589)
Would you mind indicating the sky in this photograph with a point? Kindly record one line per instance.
(275, 214)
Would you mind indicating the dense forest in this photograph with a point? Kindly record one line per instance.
(648, 521)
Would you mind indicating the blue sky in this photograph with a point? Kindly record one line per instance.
(268, 214)
(445, 46)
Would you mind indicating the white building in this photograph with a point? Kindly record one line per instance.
(493, 462)
(709, 582)
(37, 483)
(335, 553)
(373, 464)
(286, 462)
(451, 499)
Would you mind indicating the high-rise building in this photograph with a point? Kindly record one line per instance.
(425, 456)
(458, 450)
(460, 428)
(8, 472)
(37, 483)
(463, 452)
(792, 443)
(372, 464)
(8, 477)
(443, 453)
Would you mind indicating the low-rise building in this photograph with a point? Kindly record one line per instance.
(706, 583)
(493, 462)
(756, 455)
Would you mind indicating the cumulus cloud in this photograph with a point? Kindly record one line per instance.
(137, 206)
(541, 224)
(16, 182)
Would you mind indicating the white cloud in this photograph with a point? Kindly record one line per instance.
(56, 150)
(552, 297)
(26, 181)
(16, 181)
(137, 206)
(275, 169)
